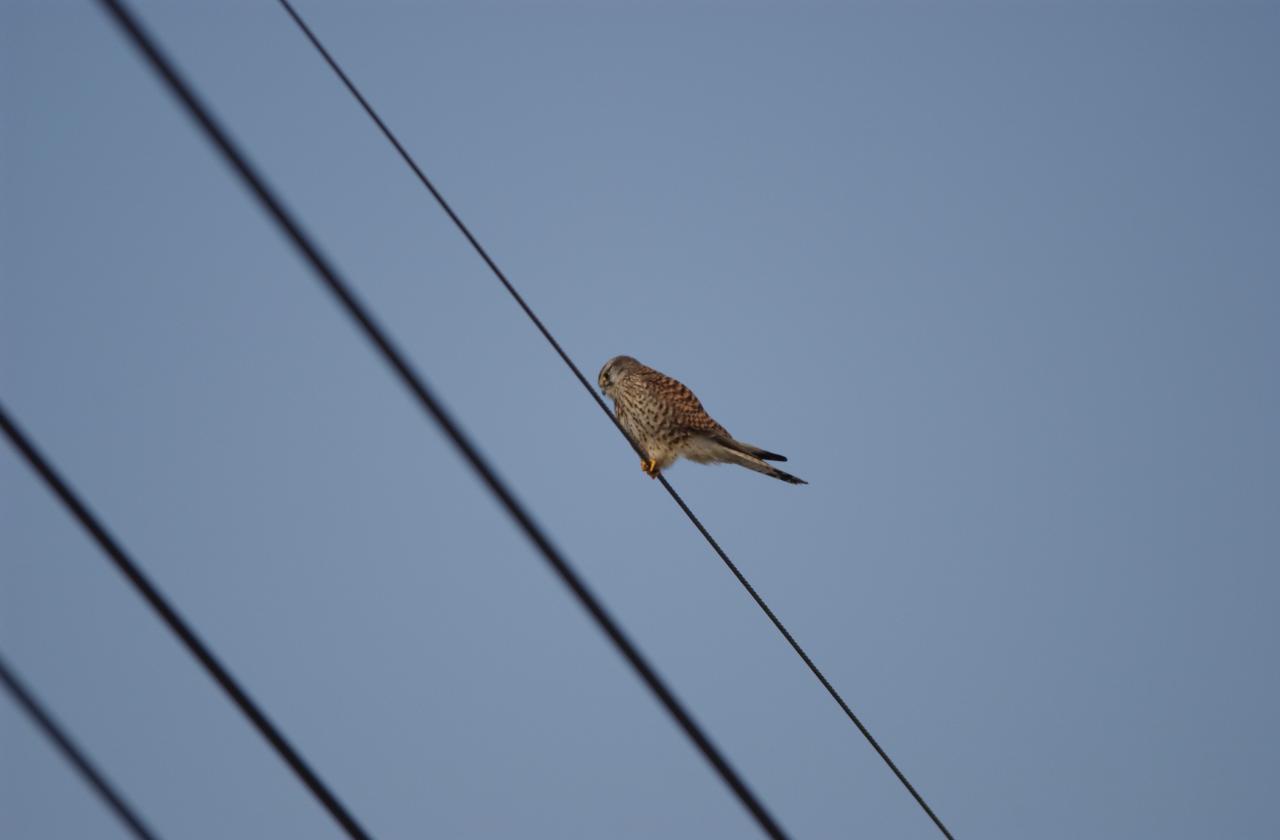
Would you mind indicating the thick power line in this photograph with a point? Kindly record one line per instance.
(73, 753)
(409, 377)
(179, 625)
(551, 339)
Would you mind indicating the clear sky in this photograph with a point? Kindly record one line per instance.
(1002, 279)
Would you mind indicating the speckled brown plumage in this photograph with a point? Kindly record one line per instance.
(667, 421)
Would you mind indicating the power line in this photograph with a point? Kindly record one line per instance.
(417, 386)
(170, 615)
(537, 322)
(73, 753)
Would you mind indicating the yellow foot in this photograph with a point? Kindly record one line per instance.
(650, 467)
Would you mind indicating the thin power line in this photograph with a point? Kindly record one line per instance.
(537, 322)
(170, 615)
(426, 398)
(73, 753)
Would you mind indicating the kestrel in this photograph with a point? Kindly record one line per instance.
(667, 421)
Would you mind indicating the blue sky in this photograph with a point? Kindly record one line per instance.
(1001, 279)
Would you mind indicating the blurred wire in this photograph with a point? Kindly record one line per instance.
(537, 322)
(73, 753)
(170, 615)
(417, 386)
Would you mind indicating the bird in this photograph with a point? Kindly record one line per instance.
(665, 419)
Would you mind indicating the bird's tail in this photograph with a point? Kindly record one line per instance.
(736, 455)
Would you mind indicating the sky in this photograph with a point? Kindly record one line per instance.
(1001, 279)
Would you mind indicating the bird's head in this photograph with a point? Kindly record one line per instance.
(614, 371)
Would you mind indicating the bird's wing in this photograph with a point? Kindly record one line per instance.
(748, 449)
(686, 412)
